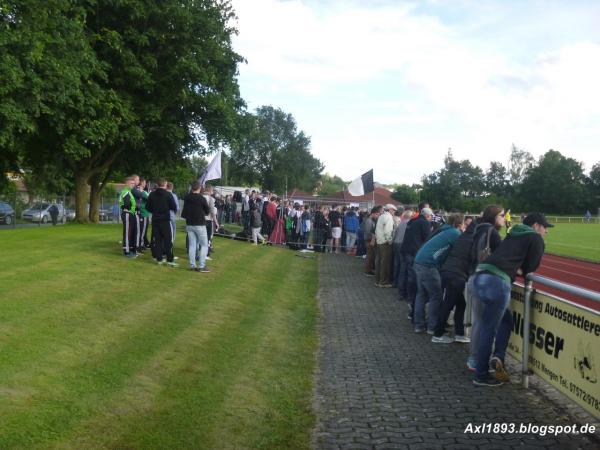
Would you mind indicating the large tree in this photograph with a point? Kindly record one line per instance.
(116, 81)
(271, 151)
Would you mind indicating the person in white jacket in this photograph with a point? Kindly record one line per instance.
(384, 235)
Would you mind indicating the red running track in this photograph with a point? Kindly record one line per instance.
(579, 273)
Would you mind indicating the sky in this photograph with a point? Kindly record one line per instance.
(392, 85)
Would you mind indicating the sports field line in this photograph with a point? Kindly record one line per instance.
(548, 263)
(585, 247)
(570, 273)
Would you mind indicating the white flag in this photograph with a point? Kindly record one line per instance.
(356, 188)
(213, 170)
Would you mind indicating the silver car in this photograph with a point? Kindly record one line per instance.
(40, 212)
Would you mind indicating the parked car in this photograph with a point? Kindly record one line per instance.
(105, 215)
(70, 214)
(7, 214)
(40, 212)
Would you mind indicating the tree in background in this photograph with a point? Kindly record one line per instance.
(554, 185)
(409, 195)
(271, 151)
(330, 184)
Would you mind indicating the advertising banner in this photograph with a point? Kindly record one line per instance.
(564, 345)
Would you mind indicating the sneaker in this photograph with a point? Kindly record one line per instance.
(488, 382)
(444, 339)
(499, 371)
(131, 255)
(471, 365)
(463, 339)
(175, 258)
(204, 269)
(419, 330)
(430, 332)
(368, 274)
(409, 317)
(208, 258)
(161, 262)
(172, 264)
(387, 285)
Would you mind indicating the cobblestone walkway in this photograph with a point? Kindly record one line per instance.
(380, 385)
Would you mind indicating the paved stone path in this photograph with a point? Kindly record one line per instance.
(380, 385)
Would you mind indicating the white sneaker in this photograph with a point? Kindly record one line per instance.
(442, 340)
(208, 258)
(175, 258)
(463, 339)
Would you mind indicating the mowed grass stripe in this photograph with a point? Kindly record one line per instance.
(106, 356)
(85, 396)
(237, 342)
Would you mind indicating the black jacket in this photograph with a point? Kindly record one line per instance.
(195, 209)
(255, 219)
(523, 251)
(160, 202)
(417, 232)
(459, 262)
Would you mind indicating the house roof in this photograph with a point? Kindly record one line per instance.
(381, 195)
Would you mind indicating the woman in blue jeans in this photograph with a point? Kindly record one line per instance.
(520, 253)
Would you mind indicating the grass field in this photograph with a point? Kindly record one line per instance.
(575, 240)
(98, 351)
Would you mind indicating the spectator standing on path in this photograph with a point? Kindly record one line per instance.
(128, 218)
(384, 235)
(335, 223)
(351, 225)
(161, 203)
(320, 230)
(306, 226)
(520, 253)
(173, 214)
(369, 233)
(454, 273)
(397, 244)
(428, 260)
(417, 232)
(195, 210)
(486, 240)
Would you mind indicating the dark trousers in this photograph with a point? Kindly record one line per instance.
(406, 267)
(162, 235)
(209, 234)
(453, 287)
(361, 248)
(320, 239)
(143, 239)
(384, 258)
(397, 264)
(370, 261)
(129, 232)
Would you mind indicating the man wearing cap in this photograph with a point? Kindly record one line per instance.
(519, 254)
(384, 235)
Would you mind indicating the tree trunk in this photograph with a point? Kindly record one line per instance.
(81, 196)
(95, 191)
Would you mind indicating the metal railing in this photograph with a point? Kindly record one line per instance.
(564, 287)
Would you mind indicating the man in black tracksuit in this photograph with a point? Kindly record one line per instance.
(160, 203)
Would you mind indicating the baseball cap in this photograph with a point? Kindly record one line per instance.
(426, 211)
(390, 206)
(538, 218)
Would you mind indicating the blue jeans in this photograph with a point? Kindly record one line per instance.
(429, 289)
(492, 294)
(197, 244)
